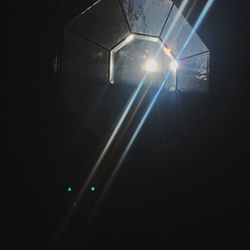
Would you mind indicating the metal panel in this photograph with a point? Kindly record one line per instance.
(192, 74)
(84, 63)
(146, 16)
(104, 23)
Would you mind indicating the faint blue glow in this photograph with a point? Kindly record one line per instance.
(197, 25)
(92, 189)
(69, 189)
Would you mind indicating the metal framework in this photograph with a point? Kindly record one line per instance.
(128, 40)
(163, 46)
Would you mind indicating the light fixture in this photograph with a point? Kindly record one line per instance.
(159, 22)
(151, 66)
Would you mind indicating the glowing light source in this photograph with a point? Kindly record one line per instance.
(167, 51)
(151, 66)
(174, 65)
(92, 189)
(69, 189)
(130, 38)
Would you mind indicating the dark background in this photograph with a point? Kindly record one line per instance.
(187, 189)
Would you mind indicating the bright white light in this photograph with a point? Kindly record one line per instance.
(130, 38)
(151, 66)
(174, 65)
(167, 51)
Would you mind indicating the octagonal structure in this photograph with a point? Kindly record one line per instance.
(108, 43)
(129, 58)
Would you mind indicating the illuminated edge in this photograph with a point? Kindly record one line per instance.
(130, 38)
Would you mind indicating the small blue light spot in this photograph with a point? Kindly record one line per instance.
(92, 189)
(69, 189)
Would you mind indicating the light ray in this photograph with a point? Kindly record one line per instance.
(114, 133)
(178, 15)
(197, 25)
(129, 105)
(143, 120)
(98, 163)
(172, 25)
(135, 134)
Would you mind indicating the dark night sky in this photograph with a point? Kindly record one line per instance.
(186, 187)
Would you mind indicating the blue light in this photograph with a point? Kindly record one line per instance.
(197, 25)
(69, 189)
(92, 189)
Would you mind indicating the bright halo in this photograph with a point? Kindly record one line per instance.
(151, 66)
(174, 65)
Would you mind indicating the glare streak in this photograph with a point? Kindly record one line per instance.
(130, 103)
(109, 182)
(197, 25)
(141, 123)
(104, 191)
(172, 26)
(113, 135)
(90, 7)
(98, 163)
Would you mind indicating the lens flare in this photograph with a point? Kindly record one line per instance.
(174, 65)
(151, 66)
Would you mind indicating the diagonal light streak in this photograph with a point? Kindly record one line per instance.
(173, 24)
(197, 25)
(132, 116)
(178, 15)
(142, 122)
(128, 107)
(100, 199)
(135, 134)
(90, 7)
(98, 162)
(114, 133)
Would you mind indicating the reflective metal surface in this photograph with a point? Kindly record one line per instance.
(83, 62)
